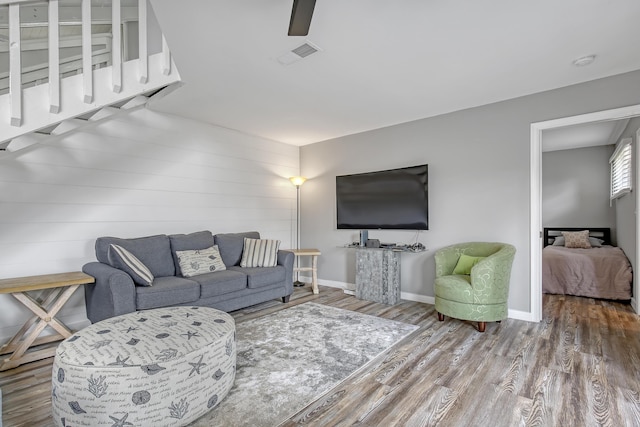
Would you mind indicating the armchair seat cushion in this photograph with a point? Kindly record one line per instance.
(169, 290)
(455, 288)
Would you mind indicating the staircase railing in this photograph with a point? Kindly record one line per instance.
(27, 109)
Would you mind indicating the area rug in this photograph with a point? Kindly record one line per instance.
(287, 359)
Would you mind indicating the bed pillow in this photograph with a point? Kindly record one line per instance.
(576, 239)
(260, 253)
(466, 263)
(124, 260)
(558, 241)
(595, 242)
(200, 261)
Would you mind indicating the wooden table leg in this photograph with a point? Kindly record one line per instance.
(314, 273)
(27, 335)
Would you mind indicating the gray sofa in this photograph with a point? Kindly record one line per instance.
(115, 293)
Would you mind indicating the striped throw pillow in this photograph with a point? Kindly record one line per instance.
(260, 253)
(124, 260)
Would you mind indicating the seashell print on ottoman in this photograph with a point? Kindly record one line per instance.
(161, 367)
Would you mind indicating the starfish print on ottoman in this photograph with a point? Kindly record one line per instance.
(196, 366)
(120, 422)
(190, 334)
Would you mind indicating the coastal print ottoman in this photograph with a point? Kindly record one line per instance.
(161, 367)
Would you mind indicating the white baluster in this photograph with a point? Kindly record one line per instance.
(15, 66)
(87, 69)
(54, 58)
(142, 38)
(116, 51)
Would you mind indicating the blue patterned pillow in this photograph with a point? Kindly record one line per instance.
(124, 260)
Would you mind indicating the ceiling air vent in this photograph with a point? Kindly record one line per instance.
(300, 52)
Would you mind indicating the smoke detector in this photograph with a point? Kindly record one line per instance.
(298, 53)
(584, 61)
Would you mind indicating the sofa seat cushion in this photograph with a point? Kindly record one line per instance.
(153, 251)
(231, 246)
(167, 291)
(454, 288)
(262, 276)
(220, 282)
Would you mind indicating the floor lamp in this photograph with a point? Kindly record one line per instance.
(297, 181)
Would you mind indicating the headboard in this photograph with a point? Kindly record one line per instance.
(550, 233)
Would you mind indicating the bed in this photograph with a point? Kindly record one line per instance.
(602, 271)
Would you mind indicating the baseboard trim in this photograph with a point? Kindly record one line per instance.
(520, 315)
(512, 314)
(634, 305)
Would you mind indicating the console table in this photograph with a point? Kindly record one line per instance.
(58, 288)
(313, 253)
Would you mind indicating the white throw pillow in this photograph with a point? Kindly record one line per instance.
(260, 253)
(200, 261)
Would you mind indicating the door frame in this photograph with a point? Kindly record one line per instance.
(535, 218)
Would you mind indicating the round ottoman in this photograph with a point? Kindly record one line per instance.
(161, 367)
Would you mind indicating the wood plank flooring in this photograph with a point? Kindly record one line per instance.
(580, 366)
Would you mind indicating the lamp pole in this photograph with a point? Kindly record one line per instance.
(297, 181)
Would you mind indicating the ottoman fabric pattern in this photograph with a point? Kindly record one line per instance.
(161, 367)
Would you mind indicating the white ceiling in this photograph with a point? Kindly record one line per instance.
(581, 136)
(382, 62)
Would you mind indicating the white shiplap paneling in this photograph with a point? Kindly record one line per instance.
(132, 175)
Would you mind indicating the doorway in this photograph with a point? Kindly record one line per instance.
(535, 218)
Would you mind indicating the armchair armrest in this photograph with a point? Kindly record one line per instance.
(490, 277)
(112, 294)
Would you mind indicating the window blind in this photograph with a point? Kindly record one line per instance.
(621, 169)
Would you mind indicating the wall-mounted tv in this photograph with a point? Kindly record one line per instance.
(395, 199)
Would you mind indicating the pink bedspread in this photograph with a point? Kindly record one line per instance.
(597, 272)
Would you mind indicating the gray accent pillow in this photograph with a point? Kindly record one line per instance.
(185, 242)
(232, 244)
(200, 261)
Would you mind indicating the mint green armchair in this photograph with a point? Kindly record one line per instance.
(480, 296)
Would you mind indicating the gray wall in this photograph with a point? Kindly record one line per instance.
(575, 188)
(479, 178)
(626, 205)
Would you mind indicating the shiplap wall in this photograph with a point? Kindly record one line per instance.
(137, 174)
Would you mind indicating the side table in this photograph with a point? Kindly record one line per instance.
(313, 253)
(58, 289)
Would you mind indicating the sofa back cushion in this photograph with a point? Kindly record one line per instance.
(232, 244)
(189, 242)
(153, 251)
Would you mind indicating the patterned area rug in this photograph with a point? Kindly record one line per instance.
(288, 359)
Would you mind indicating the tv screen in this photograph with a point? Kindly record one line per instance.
(394, 199)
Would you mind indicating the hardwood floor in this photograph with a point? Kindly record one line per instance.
(580, 366)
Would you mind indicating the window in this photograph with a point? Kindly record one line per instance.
(621, 169)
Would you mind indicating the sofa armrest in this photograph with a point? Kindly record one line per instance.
(113, 293)
(286, 258)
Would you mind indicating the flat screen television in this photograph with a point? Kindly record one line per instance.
(395, 199)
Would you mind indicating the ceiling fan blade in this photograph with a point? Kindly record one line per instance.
(301, 15)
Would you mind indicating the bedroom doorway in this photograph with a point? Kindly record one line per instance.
(536, 198)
